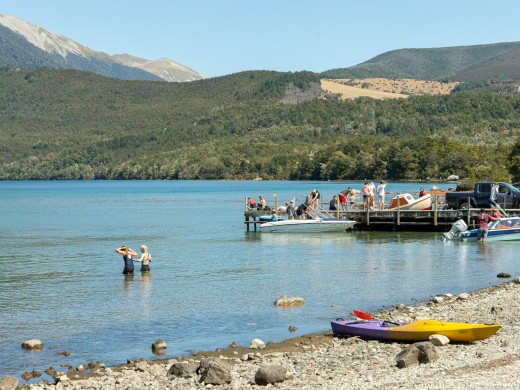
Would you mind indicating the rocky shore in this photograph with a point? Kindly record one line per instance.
(320, 361)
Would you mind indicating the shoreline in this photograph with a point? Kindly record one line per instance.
(319, 360)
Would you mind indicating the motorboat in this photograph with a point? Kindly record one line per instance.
(408, 202)
(419, 330)
(307, 225)
(315, 221)
(503, 229)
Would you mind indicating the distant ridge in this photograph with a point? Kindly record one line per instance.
(26, 45)
(164, 68)
(460, 63)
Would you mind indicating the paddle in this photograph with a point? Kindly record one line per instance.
(367, 316)
(362, 315)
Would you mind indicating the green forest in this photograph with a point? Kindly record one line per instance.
(67, 124)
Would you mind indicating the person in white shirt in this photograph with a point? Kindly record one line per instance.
(381, 194)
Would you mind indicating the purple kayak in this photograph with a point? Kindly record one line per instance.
(373, 329)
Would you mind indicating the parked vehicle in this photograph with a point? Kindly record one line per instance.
(508, 196)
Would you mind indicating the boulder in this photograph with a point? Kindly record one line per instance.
(159, 347)
(503, 275)
(141, 366)
(33, 344)
(439, 340)
(31, 375)
(289, 301)
(269, 375)
(257, 344)
(217, 372)
(408, 357)
(183, 370)
(462, 296)
(418, 353)
(452, 178)
(8, 383)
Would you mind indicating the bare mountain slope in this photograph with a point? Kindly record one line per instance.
(58, 51)
(163, 67)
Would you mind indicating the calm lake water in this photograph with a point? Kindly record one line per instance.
(211, 282)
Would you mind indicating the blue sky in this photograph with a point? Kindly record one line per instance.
(220, 37)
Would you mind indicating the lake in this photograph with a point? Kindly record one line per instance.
(211, 281)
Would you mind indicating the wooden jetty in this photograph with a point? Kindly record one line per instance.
(438, 219)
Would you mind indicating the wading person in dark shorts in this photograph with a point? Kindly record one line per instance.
(145, 259)
(127, 258)
(483, 219)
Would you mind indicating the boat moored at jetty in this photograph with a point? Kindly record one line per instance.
(308, 225)
(408, 202)
(503, 229)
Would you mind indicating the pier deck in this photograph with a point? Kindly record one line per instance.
(411, 220)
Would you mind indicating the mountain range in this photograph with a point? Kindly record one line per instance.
(26, 45)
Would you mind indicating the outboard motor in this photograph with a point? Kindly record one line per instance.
(458, 227)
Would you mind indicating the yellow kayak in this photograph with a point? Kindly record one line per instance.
(414, 331)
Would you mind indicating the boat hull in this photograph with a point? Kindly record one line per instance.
(406, 202)
(493, 235)
(307, 225)
(414, 331)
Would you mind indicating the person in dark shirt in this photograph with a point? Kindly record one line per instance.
(482, 219)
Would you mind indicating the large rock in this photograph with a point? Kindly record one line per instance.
(159, 347)
(269, 375)
(8, 383)
(408, 357)
(257, 344)
(418, 353)
(439, 340)
(217, 372)
(183, 370)
(33, 344)
(289, 301)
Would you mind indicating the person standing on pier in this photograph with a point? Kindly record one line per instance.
(365, 190)
(371, 195)
(342, 201)
(381, 194)
(315, 198)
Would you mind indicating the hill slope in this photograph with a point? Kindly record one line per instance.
(67, 124)
(435, 63)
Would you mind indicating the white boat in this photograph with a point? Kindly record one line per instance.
(504, 229)
(308, 225)
(408, 202)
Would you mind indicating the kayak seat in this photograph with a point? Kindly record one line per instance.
(389, 323)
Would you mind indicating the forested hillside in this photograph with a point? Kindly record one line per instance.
(64, 124)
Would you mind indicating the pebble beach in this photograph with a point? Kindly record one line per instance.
(321, 361)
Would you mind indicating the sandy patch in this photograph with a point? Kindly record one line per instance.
(383, 88)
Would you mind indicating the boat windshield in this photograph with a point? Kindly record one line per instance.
(505, 223)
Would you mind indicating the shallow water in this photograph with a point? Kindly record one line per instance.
(211, 282)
